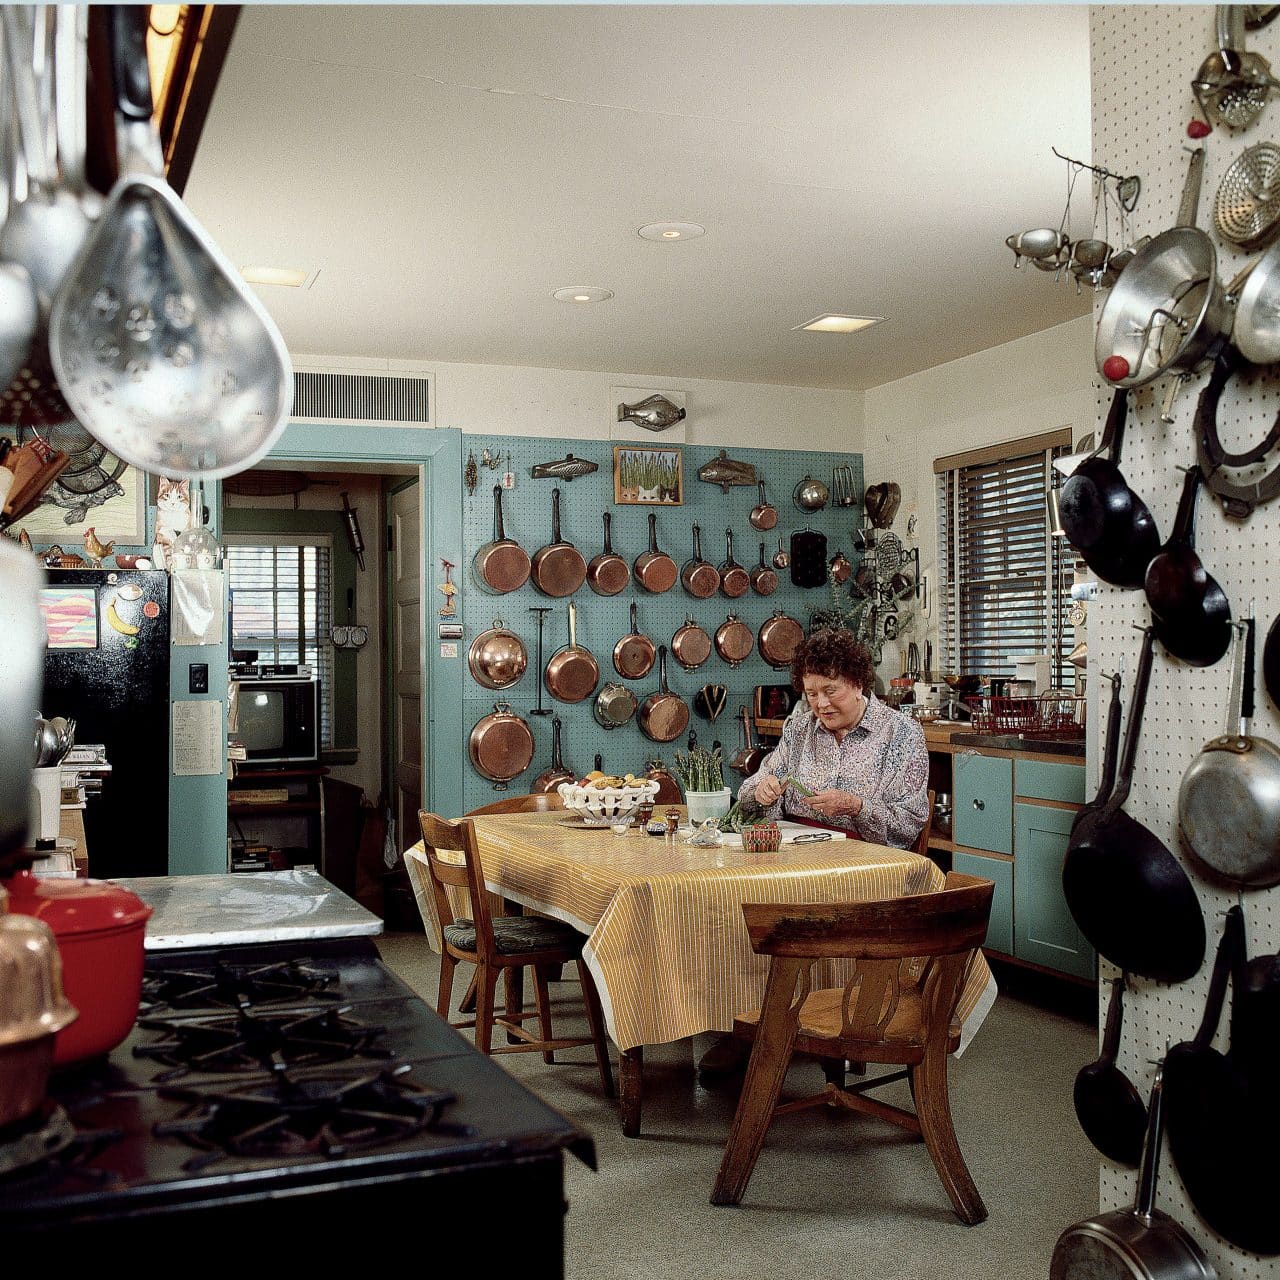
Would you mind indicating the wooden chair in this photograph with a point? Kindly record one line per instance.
(501, 945)
(913, 954)
(922, 840)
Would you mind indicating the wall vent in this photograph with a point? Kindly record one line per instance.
(402, 399)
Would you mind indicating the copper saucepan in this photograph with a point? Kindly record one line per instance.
(746, 760)
(764, 578)
(501, 746)
(608, 573)
(635, 654)
(547, 782)
(699, 577)
(503, 564)
(497, 657)
(735, 581)
(572, 674)
(734, 640)
(664, 715)
(779, 639)
(763, 516)
(655, 570)
(690, 646)
(558, 569)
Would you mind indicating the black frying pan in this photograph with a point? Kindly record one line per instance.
(1271, 661)
(1110, 1110)
(1107, 780)
(1223, 1132)
(1126, 891)
(1103, 518)
(1192, 616)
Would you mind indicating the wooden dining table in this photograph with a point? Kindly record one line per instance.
(666, 941)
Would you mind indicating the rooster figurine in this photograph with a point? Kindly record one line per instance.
(95, 549)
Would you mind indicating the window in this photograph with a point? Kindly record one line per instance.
(281, 605)
(1006, 582)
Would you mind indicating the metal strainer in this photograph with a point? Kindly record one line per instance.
(1232, 84)
(1246, 210)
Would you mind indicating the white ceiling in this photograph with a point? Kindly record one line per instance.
(444, 168)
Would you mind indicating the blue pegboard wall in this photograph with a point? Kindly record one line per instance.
(602, 620)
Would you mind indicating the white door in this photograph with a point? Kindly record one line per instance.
(407, 660)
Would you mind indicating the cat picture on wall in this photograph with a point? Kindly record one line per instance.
(173, 515)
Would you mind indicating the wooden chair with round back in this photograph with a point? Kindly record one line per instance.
(922, 840)
(498, 945)
(912, 956)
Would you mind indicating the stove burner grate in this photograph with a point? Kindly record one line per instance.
(324, 1115)
(252, 1040)
(47, 1146)
(232, 986)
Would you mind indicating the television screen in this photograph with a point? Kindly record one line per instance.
(262, 720)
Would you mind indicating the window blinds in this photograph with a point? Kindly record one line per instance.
(1006, 581)
(281, 605)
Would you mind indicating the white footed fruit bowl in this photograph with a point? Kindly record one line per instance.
(602, 806)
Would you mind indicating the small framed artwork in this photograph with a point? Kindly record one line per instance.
(647, 477)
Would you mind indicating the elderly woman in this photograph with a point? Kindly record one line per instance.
(865, 763)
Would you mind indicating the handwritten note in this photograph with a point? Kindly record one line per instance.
(198, 741)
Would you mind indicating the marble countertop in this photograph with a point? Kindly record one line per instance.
(260, 906)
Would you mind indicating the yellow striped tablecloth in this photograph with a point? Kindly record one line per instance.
(666, 941)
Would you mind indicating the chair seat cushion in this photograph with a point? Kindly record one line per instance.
(513, 935)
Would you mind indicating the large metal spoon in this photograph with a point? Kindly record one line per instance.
(161, 350)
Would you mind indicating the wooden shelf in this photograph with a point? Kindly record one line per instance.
(282, 806)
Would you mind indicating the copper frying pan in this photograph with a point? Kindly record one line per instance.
(634, 654)
(764, 578)
(497, 657)
(735, 581)
(503, 564)
(572, 674)
(608, 573)
(547, 782)
(664, 715)
(501, 746)
(763, 516)
(655, 570)
(558, 569)
(734, 640)
(779, 639)
(690, 646)
(699, 577)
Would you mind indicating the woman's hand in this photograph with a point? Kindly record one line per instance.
(768, 790)
(835, 804)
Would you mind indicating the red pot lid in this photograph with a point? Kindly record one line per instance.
(75, 906)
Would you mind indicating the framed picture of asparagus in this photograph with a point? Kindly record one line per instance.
(651, 477)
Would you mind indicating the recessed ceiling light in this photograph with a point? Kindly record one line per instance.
(581, 293)
(289, 277)
(834, 322)
(671, 231)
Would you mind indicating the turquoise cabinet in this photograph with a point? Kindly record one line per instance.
(1044, 931)
(1048, 780)
(1000, 929)
(983, 803)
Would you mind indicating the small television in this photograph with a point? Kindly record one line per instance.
(278, 719)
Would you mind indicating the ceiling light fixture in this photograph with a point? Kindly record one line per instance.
(581, 293)
(289, 277)
(835, 322)
(669, 231)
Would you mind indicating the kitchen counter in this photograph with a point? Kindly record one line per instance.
(956, 735)
(260, 906)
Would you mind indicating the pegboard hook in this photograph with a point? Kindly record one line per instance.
(1128, 189)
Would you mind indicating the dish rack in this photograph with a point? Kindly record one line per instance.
(1053, 714)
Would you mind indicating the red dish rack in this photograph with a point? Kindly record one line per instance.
(1053, 714)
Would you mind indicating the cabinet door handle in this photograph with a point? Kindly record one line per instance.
(978, 804)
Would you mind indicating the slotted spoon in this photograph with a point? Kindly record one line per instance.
(162, 351)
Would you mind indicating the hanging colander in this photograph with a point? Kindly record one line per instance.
(1246, 210)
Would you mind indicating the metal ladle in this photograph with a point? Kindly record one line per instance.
(161, 350)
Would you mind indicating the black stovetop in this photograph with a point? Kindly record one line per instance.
(421, 1100)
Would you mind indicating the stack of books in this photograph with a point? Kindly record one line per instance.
(251, 857)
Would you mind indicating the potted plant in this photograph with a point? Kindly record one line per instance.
(701, 774)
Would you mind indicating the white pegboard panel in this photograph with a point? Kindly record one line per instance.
(1143, 60)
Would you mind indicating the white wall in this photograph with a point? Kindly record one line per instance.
(580, 405)
(1038, 383)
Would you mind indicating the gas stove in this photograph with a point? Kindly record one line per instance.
(285, 1087)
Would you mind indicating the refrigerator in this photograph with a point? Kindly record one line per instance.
(107, 665)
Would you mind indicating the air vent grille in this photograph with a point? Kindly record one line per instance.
(361, 397)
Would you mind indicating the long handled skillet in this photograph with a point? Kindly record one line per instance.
(1126, 891)
(1103, 518)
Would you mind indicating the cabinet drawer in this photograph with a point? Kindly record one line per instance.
(1043, 780)
(1000, 930)
(1044, 931)
(983, 804)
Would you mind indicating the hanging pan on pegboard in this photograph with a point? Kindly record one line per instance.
(90, 468)
(1246, 210)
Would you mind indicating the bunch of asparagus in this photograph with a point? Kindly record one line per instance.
(700, 770)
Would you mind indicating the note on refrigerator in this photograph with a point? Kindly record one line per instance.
(199, 742)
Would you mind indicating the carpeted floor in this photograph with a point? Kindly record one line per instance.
(833, 1195)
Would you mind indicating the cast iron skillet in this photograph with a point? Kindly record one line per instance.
(1126, 891)
(1271, 661)
(1104, 519)
(1192, 616)
(1110, 1110)
(1107, 780)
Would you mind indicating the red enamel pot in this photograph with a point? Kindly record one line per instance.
(100, 929)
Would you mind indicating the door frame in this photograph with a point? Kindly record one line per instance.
(438, 454)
